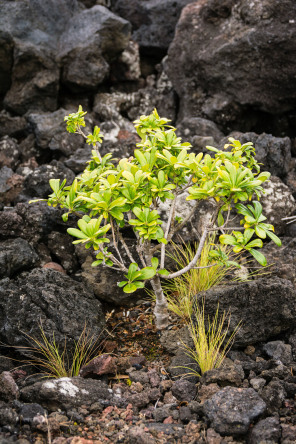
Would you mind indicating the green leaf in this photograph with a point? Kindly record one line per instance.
(259, 257)
(154, 262)
(130, 288)
(76, 233)
(147, 273)
(122, 283)
(226, 239)
(274, 238)
(163, 272)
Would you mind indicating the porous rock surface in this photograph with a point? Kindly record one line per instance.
(49, 299)
(225, 58)
(248, 302)
(232, 410)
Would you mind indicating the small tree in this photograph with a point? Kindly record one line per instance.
(109, 196)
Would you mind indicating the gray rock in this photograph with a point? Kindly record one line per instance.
(28, 412)
(173, 340)
(36, 183)
(199, 132)
(248, 302)
(66, 393)
(279, 350)
(35, 79)
(184, 390)
(230, 52)
(6, 60)
(257, 383)
(50, 132)
(274, 394)
(60, 245)
(288, 433)
(225, 375)
(273, 152)
(13, 126)
(9, 152)
(282, 259)
(51, 299)
(267, 429)
(185, 414)
(11, 185)
(77, 161)
(161, 413)
(8, 389)
(90, 38)
(153, 21)
(182, 365)
(277, 203)
(16, 255)
(29, 221)
(232, 410)
(8, 416)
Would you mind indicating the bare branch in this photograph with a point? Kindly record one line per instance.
(172, 210)
(194, 260)
(127, 250)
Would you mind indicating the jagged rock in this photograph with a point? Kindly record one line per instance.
(8, 389)
(36, 183)
(282, 259)
(45, 297)
(35, 80)
(267, 429)
(224, 375)
(223, 58)
(184, 390)
(127, 67)
(12, 126)
(277, 202)
(92, 38)
(199, 132)
(274, 394)
(11, 185)
(29, 221)
(66, 393)
(279, 350)
(9, 152)
(274, 153)
(248, 302)
(28, 412)
(16, 255)
(60, 245)
(232, 410)
(8, 416)
(153, 21)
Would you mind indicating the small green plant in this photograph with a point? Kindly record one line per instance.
(56, 363)
(181, 291)
(209, 339)
(109, 196)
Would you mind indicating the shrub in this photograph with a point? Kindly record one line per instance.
(109, 196)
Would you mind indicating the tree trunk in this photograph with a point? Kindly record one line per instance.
(161, 306)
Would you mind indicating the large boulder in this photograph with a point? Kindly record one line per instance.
(265, 308)
(153, 22)
(230, 57)
(62, 306)
(49, 40)
(66, 393)
(92, 38)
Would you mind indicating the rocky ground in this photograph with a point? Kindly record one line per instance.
(216, 68)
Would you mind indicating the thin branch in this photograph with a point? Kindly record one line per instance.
(194, 260)
(140, 252)
(115, 241)
(172, 210)
(127, 250)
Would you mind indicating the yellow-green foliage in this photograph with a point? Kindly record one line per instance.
(180, 291)
(56, 363)
(209, 338)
